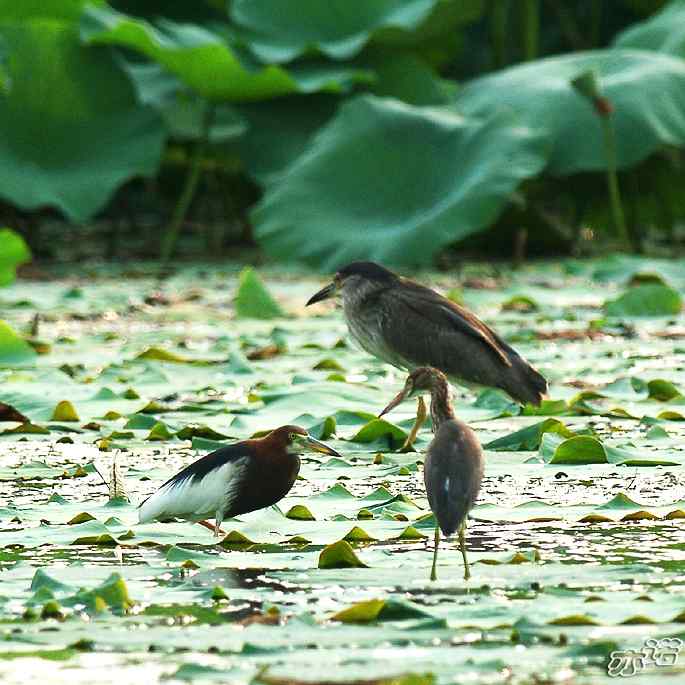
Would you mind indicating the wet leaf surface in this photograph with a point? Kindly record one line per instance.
(575, 552)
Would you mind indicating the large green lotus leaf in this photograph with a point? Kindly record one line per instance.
(394, 183)
(410, 79)
(13, 252)
(26, 10)
(203, 60)
(4, 76)
(279, 130)
(281, 30)
(437, 37)
(663, 32)
(647, 90)
(184, 111)
(70, 118)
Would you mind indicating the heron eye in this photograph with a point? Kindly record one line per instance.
(291, 437)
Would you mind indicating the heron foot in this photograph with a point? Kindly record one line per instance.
(214, 527)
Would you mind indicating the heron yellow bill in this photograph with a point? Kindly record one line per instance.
(309, 443)
(398, 399)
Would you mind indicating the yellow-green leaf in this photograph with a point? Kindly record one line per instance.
(64, 411)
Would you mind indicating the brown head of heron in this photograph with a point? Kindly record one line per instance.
(234, 480)
(453, 467)
(408, 325)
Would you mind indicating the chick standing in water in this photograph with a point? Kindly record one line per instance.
(453, 468)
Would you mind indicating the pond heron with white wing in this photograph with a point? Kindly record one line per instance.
(233, 480)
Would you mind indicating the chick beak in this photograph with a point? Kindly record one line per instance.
(399, 398)
(323, 294)
(317, 446)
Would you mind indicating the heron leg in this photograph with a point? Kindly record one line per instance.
(421, 415)
(434, 574)
(218, 518)
(462, 546)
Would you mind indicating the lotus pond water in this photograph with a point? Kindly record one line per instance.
(577, 541)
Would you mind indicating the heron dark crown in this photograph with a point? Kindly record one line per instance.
(369, 270)
(282, 436)
(427, 378)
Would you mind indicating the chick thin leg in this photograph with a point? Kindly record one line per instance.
(434, 574)
(421, 415)
(462, 546)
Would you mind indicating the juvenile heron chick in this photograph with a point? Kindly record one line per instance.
(233, 480)
(453, 468)
(408, 325)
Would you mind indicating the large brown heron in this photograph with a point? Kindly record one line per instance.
(453, 468)
(408, 325)
(233, 480)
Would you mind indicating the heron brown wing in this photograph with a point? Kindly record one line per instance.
(440, 320)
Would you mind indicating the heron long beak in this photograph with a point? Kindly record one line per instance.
(315, 445)
(398, 399)
(323, 294)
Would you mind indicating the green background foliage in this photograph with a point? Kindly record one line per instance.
(250, 118)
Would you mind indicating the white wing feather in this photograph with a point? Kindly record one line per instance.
(196, 499)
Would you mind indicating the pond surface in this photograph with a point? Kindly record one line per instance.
(577, 544)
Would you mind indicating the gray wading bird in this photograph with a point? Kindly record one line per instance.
(408, 325)
(453, 469)
(233, 480)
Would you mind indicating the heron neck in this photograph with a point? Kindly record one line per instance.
(441, 404)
